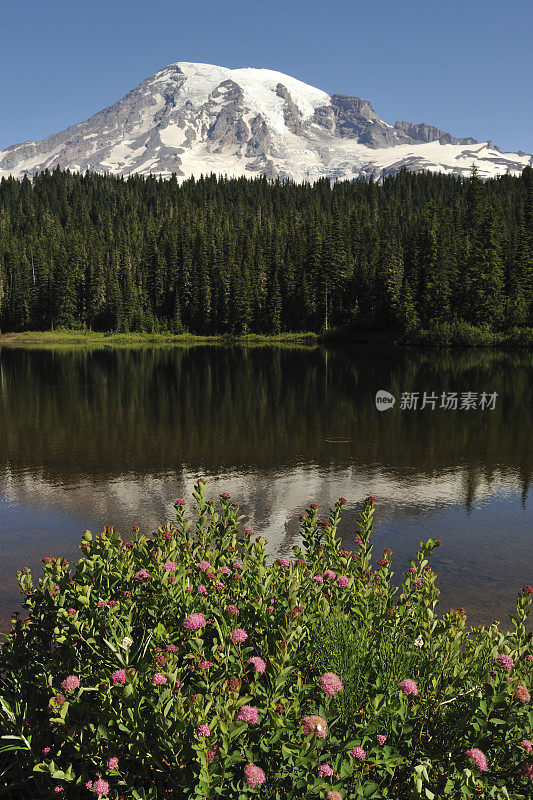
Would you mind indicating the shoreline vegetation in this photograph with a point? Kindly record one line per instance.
(460, 334)
(185, 662)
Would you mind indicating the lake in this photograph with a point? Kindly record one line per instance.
(114, 436)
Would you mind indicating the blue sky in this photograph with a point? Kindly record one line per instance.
(464, 67)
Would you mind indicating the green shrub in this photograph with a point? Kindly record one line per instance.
(138, 673)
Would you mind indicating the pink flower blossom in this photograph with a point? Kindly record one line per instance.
(203, 730)
(70, 683)
(171, 648)
(283, 562)
(343, 581)
(248, 714)
(258, 664)
(238, 565)
(253, 775)
(329, 575)
(158, 679)
(325, 771)
(408, 686)
(219, 586)
(205, 664)
(89, 785)
(139, 576)
(529, 658)
(194, 622)
(478, 758)
(204, 565)
(58, 789)
(358, 752)
(318, 579)
(314, 724)
(505, 662)
(118, 677)
(238, 635)
(112, 763)
(525, 743)
(224, 570)
(522, 694)
(71, 611)
(212, 753)
(330, 683)
(418, 582)
(231, 609)
(101, 788)
(169, 566)
(334, 795)
(46, 750)
(381, 739)
(527, 770)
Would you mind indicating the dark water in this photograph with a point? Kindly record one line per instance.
(115, 436)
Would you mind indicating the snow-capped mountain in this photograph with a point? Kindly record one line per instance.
(193, 119)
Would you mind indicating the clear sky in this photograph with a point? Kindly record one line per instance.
(466, 67)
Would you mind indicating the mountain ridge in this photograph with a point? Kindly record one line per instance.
(190, 119)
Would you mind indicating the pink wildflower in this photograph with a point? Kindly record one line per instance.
(325, 771)
(408, 686)
(330, 683)
(112, 763)
(525, 743)
(46, 750)
(418, 582)
(343, 581)
(204, 565)
(248, 714)
(119, 676)
(89, 785)
(203, 730)
(71, 611)
(283, 562)
(253, 775)
(212, 753)
(527, 769)
(142, 574)
(205, 664)
(329, 575)
(219, 586)
(171, 648)
(334, 795)
(381, 739)
(224, 570)
(258, 664)
(101, 788)
(314, 724)
(158, 679)
(238, 635)
(522, 694)
(70, 683)
(58, 789)
(231, 609)
(194, 622)
(318, 579)
(505, 662)
(478, 758)
(358, 752)
(169, 566)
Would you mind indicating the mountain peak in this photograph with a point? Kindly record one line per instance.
(194, 118)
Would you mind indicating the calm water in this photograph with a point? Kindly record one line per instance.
(115, 436)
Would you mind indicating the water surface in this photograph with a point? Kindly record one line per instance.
(114, 436)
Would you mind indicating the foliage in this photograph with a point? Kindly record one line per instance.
(239, 256)
(185, 664)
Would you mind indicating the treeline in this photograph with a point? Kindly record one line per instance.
(219, 255)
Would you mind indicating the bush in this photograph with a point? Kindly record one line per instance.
(184, 665)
